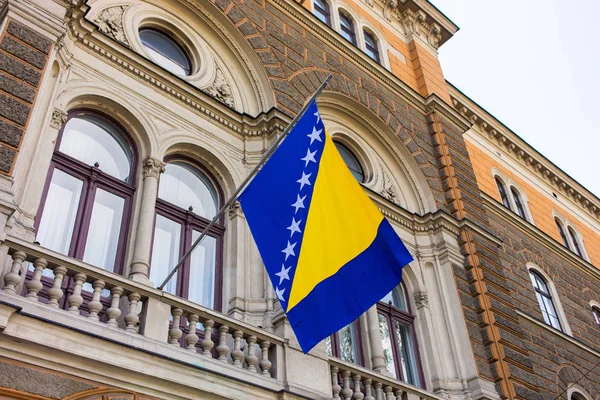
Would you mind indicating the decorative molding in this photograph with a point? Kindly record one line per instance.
(235, 210)
(152, 167)
(220, 89)
(493, 130)
(421, 299)
(59, 117)
(110, 22)
(388, 189)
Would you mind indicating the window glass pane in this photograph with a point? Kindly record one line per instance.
(386, 341)
(103, 234)
(408, 360)
(347, 28)
(60, 210)
(371, 46)
(562, 234)
(596, 315)
(91, 140)
(518, 203)
(165, 251)
(397, 298)
(575, 242)
(165, 52)
(351, 162)
(328, 348)
(185, 186)
(321, 11)
(202, 271)
(348, 344)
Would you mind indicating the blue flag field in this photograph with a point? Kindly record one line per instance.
(328, 250)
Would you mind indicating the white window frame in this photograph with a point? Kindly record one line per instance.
(562, 317)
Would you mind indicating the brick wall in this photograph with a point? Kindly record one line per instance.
(23, 59)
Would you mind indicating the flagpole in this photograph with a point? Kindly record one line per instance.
(243, 185)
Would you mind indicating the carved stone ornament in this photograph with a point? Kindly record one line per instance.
(110, 22)
(152, 167)
(235, 210)
(220, 89)
(389, 190)
(421, 299)
(414, 23)
(59, 117)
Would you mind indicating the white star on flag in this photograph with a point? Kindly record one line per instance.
(310, 156)
(318, 117)
(294, 227)
(284, 273)
(315, 135)
(304, 180)
(279, 293)
(299, 203)
(289, 250)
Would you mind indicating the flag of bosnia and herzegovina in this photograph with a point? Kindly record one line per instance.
(328, 250)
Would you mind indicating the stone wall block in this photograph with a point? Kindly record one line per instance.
(19, 70)
(7, 156)
(29, 36)
(10, 134)
(13, 110)
(23, 52)
(16, 88)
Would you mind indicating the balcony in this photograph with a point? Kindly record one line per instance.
(104, 307)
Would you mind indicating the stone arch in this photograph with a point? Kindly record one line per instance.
(568, 376)
(102, 394)
(379, 147)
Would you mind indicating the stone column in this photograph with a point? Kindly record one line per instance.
(377, 359)
(152, 168)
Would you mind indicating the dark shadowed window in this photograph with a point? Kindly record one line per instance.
(371, 47)
(351, 162)
(322, 11)
(187, 201)
(87, 199)
(596, 312)
(165, 51)
(518, 203)
(347, 27)
(545, 301)
(345, 344)
(577, 396)
(503, 194)
(396, 325)
(575, 241)
(563, 236)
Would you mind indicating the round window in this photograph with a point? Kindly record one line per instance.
(166, 52)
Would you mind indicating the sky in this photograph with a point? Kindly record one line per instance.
(535, 66)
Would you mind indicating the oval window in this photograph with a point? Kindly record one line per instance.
(351, 162)
(165, 51)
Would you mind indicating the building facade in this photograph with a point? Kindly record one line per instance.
(124, 128)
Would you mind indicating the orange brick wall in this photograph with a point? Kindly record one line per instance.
(421, 71)
(540, 205)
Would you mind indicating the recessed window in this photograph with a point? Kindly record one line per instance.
(503, 194)
(563, 236)
(165, 51)
(545, 301)
(322, 11)
(371, 47)
(351, 162)
(577, 396)
(518, 203)
(575, 241)
(347, 27)
(596, 312)
(345, 344)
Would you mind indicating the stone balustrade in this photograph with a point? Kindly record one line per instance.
(351, 382)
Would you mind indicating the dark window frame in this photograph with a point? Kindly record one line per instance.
(392, 314)
(372, 47)
(596, 312)
(189, 222)
(518, 202)
(542, 289)
(322, 13)
(563, 235)
(349, 30)
(503, 193)
(336, 347)
(574, 238)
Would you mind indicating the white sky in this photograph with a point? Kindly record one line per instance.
(535, 66)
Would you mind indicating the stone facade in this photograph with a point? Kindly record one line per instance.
(72, 330)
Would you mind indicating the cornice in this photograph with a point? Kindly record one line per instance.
(532, 231)
(492, 129)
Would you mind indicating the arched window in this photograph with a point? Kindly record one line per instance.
(345, 344)
(351, 162)
(577, 396)
(165, 51)
(503, 193)
(563, 236)
(544, 299)
(371, 46)
(396, 325)
(87, 198)
(596, 312)
(575, 241)
(322, 11)
(347, 27)
(187, 201)
(518, 203)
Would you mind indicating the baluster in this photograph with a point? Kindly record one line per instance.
(237, 354)
(335, 385)
(398, 393)
(368, 389)
(13, 278)
(94, 306)
(35, 284)
(56, 292)
(251, 359)
(175, 331)
(346, 391)
(265, 363)
(207, 343)
(357, 393)
(192, 338)
(114, 312)
(222, 348)
(75, 298)
(379, 391)
(132, 318)
(388, 393)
